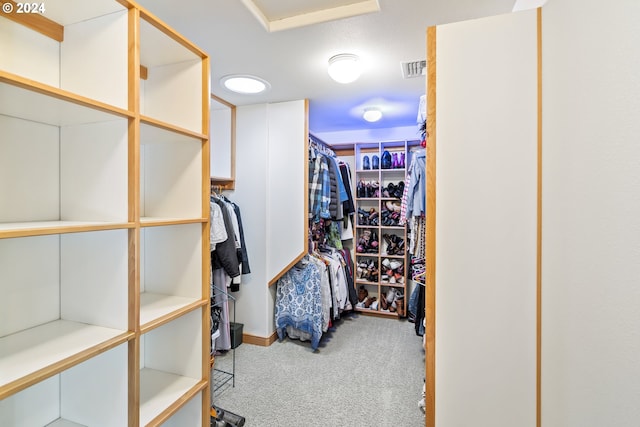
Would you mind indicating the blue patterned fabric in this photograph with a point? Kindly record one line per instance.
(299, 302)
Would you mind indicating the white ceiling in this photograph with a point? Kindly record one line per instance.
(294, 61)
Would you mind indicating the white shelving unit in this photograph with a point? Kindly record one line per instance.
(104, 197)
(169, 366)
(380, 178)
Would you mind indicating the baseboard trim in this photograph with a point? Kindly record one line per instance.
(261, 341)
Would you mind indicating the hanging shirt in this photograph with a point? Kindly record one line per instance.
(319, 186)
(416, 203)
(299, 302)
(217, 231)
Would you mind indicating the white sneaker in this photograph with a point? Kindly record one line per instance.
(395, 264)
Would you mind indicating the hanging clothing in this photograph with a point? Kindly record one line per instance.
(231, 253)
(218, 232)
(348, 266)
(299, 302)
(325, 292)
(335, 207)
(330, 195)
(334, 238)
(348, 206)
(339, 286)
(220, 301)
(243, 247)
(405, 193)
(225, 255)
(332, 298)
(416, 203)
(419, 325)
(319, 186)
(229, 260)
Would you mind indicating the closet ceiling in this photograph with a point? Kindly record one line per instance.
(243, 37)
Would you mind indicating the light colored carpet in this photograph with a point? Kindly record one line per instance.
(369, 371)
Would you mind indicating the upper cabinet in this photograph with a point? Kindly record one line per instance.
(223, 142)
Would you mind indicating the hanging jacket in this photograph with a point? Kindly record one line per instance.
(416, 203)
(243, 248)
(225, 255)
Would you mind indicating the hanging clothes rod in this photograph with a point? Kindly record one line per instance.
(217, 188)
(320, 145)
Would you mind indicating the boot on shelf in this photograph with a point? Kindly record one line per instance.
(365, 163)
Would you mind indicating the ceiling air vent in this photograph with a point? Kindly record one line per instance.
(414, 69)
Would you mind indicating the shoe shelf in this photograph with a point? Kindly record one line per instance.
(380, 253)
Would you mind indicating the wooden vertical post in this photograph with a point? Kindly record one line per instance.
(430, 282)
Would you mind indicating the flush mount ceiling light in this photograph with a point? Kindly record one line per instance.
(372, 114)
(344, 68)
(244, 84)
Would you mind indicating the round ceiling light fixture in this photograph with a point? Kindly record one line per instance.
(372, 114)
(245, 84)
(345, 68)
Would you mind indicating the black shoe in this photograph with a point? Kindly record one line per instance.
(363, 217)
(399, 190)
(385, 161)
(391, 189)
(365, 163)
(361, 189)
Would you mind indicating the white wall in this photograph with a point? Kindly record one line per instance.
(251, 196)
(262, 163)
(287, 220)
(591, 211)
(399, 133)
(486, 222)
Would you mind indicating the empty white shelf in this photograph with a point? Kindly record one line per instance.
(154, 306)
(54, 227)
(158, 390)
(29, 351)
(58, 107)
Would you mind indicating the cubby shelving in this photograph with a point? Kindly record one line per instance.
(380, 250)
(104, 198)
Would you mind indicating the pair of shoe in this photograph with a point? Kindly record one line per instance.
(368, 270)
(367, 189)
(393, 264)
(364, 300)
(397, 161)
(390, 219)
(393, 301)
(375, 162)
(368, 242)
(368, 218)
(393, 190)
(395, 244)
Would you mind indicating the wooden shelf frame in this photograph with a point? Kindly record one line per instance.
(60, 107)
(382, 176)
